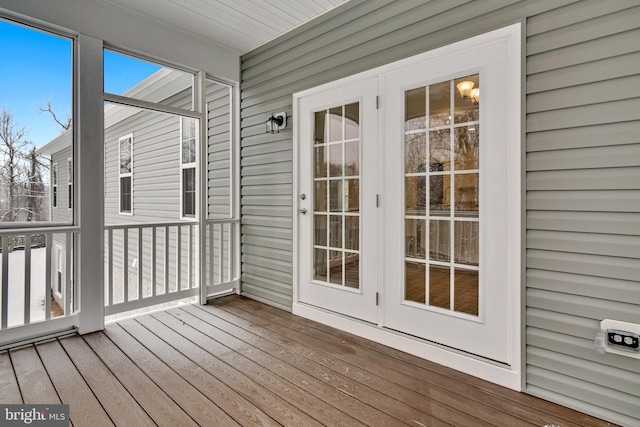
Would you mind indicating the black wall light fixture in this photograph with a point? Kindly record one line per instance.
(276, 122)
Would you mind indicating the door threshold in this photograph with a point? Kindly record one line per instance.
(491, 371)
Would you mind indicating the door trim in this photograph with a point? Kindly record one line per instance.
(509, 375)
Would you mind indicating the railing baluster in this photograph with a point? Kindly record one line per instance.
(47, 272)
(232, 235)
(190, 261)
(5, 282)
(153, 261)
(221, 255)
(27, 279)
(68, 274)
(178, 258)
(166, 259)
(125, 262)
(140, 263)
(110, 265)
(211, 280)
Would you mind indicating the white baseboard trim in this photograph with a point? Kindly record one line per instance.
(492, 372)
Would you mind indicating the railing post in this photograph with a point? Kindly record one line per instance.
(47, 282)
(5, 283)
(27, 279)
(140, 263)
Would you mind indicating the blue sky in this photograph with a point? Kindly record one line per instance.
(36, 68)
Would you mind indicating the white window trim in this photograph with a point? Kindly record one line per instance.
(123, 175)
(191, 165)
(55, 195)
(70, 197)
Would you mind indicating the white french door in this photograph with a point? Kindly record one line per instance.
(447, 201)
(337, 218)
(415, 204)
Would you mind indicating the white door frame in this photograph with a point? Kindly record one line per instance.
(509, 375)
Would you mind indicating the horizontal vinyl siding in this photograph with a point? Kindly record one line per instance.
(156, 166)
(582, 110)
(62, 213)
(219, 150)
(583, 203)
(358, 36)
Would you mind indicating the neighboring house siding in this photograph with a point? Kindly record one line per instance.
(156, 191)
(62, 213)
(156, 166)
(582, 170)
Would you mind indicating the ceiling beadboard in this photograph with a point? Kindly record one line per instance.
(239, 25)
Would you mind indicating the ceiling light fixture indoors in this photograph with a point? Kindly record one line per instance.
(467, 91)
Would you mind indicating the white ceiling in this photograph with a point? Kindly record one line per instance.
(239, 25)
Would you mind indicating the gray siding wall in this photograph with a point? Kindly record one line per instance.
(583, 203)
(582, 169)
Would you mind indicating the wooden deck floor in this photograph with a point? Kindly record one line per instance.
(239, 362)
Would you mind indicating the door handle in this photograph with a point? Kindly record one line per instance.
(303, 211)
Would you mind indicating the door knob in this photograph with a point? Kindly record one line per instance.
(303, 211)
(303, 196)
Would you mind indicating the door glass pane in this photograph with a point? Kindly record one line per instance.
(466, 194)
(337, 192)
(335, 159)
(440, 150)
(415, 109)
(320, 196)
(320, 264)
(351, 159)
(352, 196)
(415, 153)
(320, 162)
(466, 147)
(320, 230)
(440, 104)
(415, 232)
(466, 243)
(466, 98)
(439, 240)
(352, 121)
(415, 279)
(352, 270)
(439, 286)
(335, 195)
(466, 291)
(335, 124)
(451, 139)
(335, 267)
(415, 195)
(352, 233)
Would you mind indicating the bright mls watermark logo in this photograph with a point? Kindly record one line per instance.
(34, 415)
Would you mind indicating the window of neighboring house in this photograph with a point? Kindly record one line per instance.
(69, 184)
(54, 185)
(188, 144)
(126, 173)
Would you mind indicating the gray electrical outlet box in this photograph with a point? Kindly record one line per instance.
(621, 338)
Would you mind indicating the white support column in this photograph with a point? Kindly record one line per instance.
(200, 105)
(89, 156)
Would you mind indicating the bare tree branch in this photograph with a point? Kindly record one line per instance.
(66, 125)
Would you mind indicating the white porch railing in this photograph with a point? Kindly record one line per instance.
(151, 264)
(37, 275)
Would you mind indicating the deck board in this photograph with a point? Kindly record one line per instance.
(240, 362)
(71, 387)
(9, 390)
(430, 376)
(34, 382)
